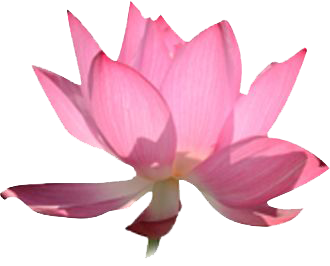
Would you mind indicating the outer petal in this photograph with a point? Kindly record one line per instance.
(255, 113)
(135, 31)
(201, 88)
(259, 216)
(133, 117)
(238, 177)
(158, 219)
(78, 200)
(69, 105)
(243, 177)
(86, 49)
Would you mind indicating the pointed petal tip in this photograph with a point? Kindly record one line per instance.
(133, 8)
(73, 20)
(322, 164)
(131, 5)
(38, 70)
(299, 55)
(70, 15)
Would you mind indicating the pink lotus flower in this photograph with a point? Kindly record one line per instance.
(173, 110)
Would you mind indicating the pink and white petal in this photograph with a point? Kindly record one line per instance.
(67, 100)
(158, 219)
(133, 117)
(200, 89)
(259, 216)
(79, 200)
(155, 59)
(251, 172)
(135, 31)
(255, 113)
(171, 40)
(86, 49)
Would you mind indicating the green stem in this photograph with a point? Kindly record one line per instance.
(152, 246)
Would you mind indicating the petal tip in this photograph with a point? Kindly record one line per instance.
(70, 16)
(133, 8)
(38, 70)
(7, 194)
(300, 55)
(322, 164)
(224, 22)
(73, 21)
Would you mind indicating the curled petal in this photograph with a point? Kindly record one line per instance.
(246, 175)
(258, 216)
(133, 117)
(158, 219)
(201, 88)
(67, 100)
(79, 200)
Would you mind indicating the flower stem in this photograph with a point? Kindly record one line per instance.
(152, 246)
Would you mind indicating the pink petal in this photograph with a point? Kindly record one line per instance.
(155, 59)
(259, 216)
(158, 219)
(133, 117)
(134, 34)
(171, 40)
(69, 105)
(78, 200)
(149, 46)
(86, 49)
(255, 170)
(255, 113)
(201, 88)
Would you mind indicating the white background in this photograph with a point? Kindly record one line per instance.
(35, 148)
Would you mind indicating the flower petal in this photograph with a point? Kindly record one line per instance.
(79, 200)
(255, 170)
(260, 216)
(201, 87)
(255, 113)
(149, 46)
(86, 49)
(135, 31)
(69, 105)
(155, 59)
(171, 40)
(133, 117)
(158, 219)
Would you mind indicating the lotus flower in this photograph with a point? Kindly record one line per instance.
(173, 110)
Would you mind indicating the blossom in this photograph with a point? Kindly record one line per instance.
(173, 110)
